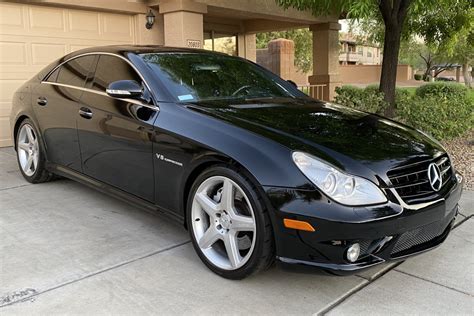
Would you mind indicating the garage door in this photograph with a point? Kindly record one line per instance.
(33, 36)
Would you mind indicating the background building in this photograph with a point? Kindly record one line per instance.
(357, 51)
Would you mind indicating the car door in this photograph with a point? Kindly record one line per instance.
(55, 103)
(115, 134)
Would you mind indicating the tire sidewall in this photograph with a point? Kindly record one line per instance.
(254, 260)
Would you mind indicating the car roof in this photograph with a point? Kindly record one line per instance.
(139, 49)
(123, 50)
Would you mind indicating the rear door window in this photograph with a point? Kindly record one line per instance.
(76, 71)
(54, 75)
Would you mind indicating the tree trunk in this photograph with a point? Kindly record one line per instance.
(427, 71)
(393, 13)
(466, 75)
(429, 63)
(388, 79)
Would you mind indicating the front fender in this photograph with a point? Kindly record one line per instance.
(269, 162)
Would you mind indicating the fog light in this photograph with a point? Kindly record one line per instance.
(353, 252)
(459, 177)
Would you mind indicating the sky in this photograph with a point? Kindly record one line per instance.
(345, 26)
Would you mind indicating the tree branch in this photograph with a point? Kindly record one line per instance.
(423, 57)
(403, 10)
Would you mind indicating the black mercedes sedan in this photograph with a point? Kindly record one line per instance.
(256, 170)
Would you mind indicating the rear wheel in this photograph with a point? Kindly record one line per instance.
(30, 154)
(229, 224)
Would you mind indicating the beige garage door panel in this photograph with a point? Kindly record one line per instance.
(17, 19)
(33, 36)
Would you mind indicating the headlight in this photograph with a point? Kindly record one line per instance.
(342, 187)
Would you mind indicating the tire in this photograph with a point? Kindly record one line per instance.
(27, 148)
(237, 240)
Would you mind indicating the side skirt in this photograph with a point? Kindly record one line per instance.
(112, 191)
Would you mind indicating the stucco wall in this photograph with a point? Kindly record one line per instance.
(370, 73)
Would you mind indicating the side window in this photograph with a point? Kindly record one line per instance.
(76, 71)
(53, 76)
(110, 69)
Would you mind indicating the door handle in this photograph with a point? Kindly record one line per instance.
(85, 113)
(42, 101)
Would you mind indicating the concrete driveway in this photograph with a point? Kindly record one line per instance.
(65, 248)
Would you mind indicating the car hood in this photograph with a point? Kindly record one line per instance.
(337, 134)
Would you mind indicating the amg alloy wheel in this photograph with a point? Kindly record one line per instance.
(228, 224)
(28, 150)
(223, 223)
(30, 153)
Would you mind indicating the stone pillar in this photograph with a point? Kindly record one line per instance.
(326, 57)
(282, 57)
(458, 74)
(247, 46)
(183, 23)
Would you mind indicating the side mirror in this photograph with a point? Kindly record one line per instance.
(125, 89)
(293, 83)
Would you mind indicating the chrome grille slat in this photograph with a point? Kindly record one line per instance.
(408, 174)
(421, 194)
(442, 161)
(410, 184)
(411, 165)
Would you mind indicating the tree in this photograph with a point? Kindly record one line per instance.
(399, 18)
(463, 53)
(450, 33)
(416, 54)
(303, 45)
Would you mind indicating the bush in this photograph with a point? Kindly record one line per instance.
(418, 77)
(442, 90)
(443, 110)
(368, 99)
(401, 94)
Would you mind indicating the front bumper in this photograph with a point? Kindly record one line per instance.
(385, 233)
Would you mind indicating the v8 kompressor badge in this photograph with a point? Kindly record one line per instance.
(174, 162)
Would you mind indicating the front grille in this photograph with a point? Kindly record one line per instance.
(416, 237)
(411, 181)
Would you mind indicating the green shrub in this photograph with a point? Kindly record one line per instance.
(418, 77)
(442, 90)
(368, 99)
(441, 109)
(401, 95)
(438, 112)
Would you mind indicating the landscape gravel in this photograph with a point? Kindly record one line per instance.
(461, 150)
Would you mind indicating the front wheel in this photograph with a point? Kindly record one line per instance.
(30, 154)
(229, 225)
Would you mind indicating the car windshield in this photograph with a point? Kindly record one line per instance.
(192, 77)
